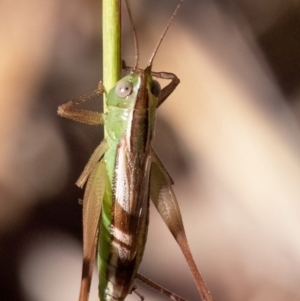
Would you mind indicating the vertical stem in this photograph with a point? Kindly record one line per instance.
(111, 10)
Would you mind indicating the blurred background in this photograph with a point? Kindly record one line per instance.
(229, 135)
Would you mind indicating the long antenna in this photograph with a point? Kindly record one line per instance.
(164, 33)
(136, 45)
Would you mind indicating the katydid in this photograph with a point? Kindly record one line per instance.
(121, 177)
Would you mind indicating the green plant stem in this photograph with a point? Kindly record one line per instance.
(111, 28)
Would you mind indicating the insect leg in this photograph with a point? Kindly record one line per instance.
(134, 290)
(92, 204)
(163, 197)
(160, 289)
(95, 157)
(166, 91)
(157, 161)
(69, 111)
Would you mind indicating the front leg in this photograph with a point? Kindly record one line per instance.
(166, 91)
(69, 111)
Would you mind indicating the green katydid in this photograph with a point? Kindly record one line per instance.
(122, 175)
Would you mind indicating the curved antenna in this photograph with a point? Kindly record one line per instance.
(163, 34)
(136, 45)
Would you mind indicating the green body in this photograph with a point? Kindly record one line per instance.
(124, 219)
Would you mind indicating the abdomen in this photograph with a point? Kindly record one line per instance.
(124, 226)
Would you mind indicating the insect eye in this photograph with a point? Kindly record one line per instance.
(123, 88)
(155, 88)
